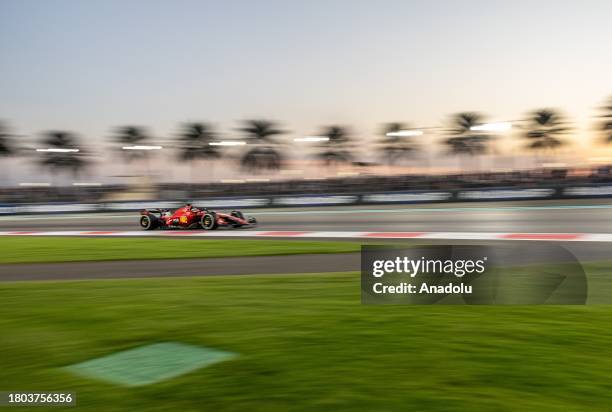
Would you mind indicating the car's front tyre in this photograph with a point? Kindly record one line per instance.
(209, 221)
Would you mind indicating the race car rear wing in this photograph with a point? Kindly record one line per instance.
(147, 211)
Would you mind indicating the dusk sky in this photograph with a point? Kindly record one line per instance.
(87, 66)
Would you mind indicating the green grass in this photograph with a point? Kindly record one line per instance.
(71, 249)
(306, 343)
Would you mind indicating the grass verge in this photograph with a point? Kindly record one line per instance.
(72, 249)
(306, 343)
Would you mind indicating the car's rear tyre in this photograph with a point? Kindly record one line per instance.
(148, 222)
(209, 221)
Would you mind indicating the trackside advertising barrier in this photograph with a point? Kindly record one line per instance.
(322, 200)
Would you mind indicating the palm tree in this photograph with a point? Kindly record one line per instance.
(265, 155)
(606, 122)
(7, 144)
(337, 148)
(261, 130)
(395, 148)
(62, 153)
(545, 130)
(132, 136)
(193, 144)
(463, 140)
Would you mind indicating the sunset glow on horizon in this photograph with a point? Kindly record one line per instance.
(91, 66)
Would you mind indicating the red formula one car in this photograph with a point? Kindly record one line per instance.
(189, 217)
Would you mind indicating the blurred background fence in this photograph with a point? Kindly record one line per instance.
(363, 189)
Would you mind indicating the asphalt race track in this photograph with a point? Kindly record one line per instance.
(528, 217)
(588, 216)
